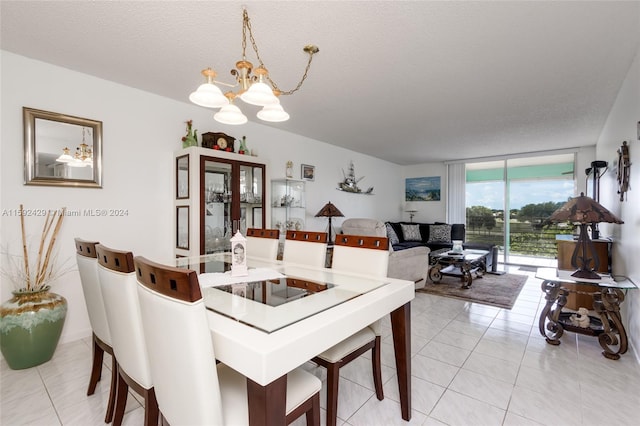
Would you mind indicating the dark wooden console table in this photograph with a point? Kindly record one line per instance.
(605, 322)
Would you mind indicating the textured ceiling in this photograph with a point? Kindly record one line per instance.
(409, 82)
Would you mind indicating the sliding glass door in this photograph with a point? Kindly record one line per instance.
(509, 201)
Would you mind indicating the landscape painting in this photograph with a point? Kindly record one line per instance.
(422, 189)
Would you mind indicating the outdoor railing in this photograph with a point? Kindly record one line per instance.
(525, 238)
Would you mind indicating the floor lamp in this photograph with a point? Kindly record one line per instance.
(329, 210)
(584, 211)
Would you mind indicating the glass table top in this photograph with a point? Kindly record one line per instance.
(561, 275)
(296, 293)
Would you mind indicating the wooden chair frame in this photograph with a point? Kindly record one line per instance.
(122, 262)
(88, 249)
(333, 368)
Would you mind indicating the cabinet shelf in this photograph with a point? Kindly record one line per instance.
(217, 187)
(287, 204)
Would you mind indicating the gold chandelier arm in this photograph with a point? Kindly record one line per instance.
(310, 49)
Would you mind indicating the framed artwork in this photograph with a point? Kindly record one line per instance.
(182, 227)
(182, 177)
(422, 189)
(308, 172)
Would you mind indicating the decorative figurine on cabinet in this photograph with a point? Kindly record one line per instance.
(191, 138)
(243, 146)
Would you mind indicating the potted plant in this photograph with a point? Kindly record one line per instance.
(31, 321)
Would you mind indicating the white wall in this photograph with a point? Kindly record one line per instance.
(622, 125)
(428, 211)
(140, 133)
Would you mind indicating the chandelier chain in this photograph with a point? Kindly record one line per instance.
(247, 26)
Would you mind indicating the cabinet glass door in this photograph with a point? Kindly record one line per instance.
(217, 202)
(251, 195)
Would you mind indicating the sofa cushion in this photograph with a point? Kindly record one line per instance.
(439, 233)
(391, 234)
(408, 244)
(411, 232)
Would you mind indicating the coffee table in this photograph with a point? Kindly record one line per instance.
(463, 265)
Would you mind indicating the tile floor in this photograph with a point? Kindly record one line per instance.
(472, 365)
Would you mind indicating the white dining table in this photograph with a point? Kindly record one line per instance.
(265, 341)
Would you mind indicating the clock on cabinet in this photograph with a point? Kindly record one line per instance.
(219, 141)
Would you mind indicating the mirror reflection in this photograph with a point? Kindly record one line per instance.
(61, 149)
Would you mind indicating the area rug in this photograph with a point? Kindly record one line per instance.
(494, 290)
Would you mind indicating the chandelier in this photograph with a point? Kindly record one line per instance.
(252, 87)
(82, 158)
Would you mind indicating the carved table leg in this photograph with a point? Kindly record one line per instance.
(549, 324)
(434, 273)
(607, 306)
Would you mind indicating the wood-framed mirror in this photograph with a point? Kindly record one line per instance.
(61, 150)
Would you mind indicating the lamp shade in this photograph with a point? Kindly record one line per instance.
(208, 95)
(230, 114)
(274, 113)
(583, 209)
(329, 210)
(259, 94)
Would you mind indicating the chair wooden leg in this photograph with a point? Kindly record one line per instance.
(121, 400)
(96, 368)
(112, 391)
(313, 415)
(333, 378)
(151, 411)
(377, 369)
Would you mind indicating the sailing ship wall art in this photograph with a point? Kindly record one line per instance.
(350, 182)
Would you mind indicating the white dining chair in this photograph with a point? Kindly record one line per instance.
(118, 283)
(87, 262)
(191, 388)
(363, 255)
(305, 248)
(263, 243)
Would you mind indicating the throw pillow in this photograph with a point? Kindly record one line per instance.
(440, 233)
(391, 234)
(411, 232)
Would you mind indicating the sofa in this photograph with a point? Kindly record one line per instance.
(435, 236)
(410, 263)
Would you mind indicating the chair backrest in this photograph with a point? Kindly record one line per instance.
(87, 261)
(361, 255)
(305, 248)
(178, 336)
(263, 243)
(118, 284)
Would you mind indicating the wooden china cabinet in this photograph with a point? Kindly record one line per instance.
(216, 194)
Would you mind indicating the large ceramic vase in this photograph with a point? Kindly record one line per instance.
(30, 327)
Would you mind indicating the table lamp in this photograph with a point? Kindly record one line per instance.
(329, 210)
(411, 209)
(584, 211)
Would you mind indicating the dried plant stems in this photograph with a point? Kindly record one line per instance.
(25, 251)
(52, 241)
(49, 232)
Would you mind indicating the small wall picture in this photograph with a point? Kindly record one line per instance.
(308, 172)
(422, 189)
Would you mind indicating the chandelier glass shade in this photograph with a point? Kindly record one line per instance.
(82, 158)
(252, 86)
(273, 112)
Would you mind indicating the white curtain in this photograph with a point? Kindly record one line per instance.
(456, 183)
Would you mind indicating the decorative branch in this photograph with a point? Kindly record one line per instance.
(24, 250)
